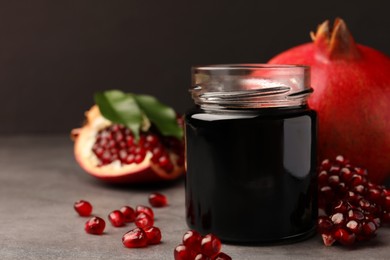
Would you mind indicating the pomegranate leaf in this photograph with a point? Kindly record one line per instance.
(121, 108)
(162, 116)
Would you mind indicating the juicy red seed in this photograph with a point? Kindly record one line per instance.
(369, 228)
(95, 226)
(153, 234)
(192, 239)
(222, 256)
(341, 206)
(163, 161)
(334, 170)
(346, 174)
(374, 195)
(157, 152)
(337, 218)
(344, 237)
(355, 214)
(158, 200)
(354, 226)
(130, 159)
(139, 158)
(135, 238)
(328, 239)
(201, 256)
(359, 189)
(152, 139)
(144, 209)
(128, 213)
(143, 221)
(324, 224)
(116, 218)
(333, 180)
(327, 193)
(83, 207)
(368, 206)
(325, 164)
(181, 252)
(210, 245)
(129, 140)
(357, 180)
(99, 151)
(323, 178)
(122, 154)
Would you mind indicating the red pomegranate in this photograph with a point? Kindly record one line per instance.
(111, 153)
(352, 96)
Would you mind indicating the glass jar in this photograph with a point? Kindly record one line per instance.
(251, 153)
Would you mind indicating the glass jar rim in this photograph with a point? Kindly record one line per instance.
(250, 85)
(256, 66)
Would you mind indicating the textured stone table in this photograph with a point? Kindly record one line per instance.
(40, 181)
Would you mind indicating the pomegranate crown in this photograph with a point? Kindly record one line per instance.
(336, 42)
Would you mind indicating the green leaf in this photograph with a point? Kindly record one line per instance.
(121, 108)
(162, 116)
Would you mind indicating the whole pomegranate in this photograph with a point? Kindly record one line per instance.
(115, 153)
(351, 85)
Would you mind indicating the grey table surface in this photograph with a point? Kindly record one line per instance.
(40, 181)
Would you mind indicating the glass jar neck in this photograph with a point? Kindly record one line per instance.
(250, 86)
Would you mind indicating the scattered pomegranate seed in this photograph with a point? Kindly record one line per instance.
(135, 238)
(128, 213)
(83, 207)
(153, 234)
(181, 252)
(222, 256)
(143, 220)
(192, 240)
(158, 200)
(201, 256)
(144, 209)
(95, 226)
(116, 218)
(351, 208)
(210, 245)
(197, 247)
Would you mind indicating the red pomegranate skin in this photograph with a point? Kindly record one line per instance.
(351, 85)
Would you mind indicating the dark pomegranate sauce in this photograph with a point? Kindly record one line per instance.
(251, 172)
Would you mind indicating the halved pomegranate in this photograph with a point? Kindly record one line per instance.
(110, 152)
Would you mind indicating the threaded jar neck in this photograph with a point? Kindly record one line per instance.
(235, 87)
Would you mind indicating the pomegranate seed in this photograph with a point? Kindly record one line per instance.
(337, 219)
(324, 224)
(201, 256)
(354, 226)
(222, 256)
(152, 139)
(135, 238)
(344, 237)
(139, 158)
(181, 252)
(83, 207)
(163, 161)
(95, 226)
(129, 140)
(143, 220)
(328, 239)
(130, 159)
(144, 209)
(210, 245)
(153, 234)
(192, 240)
(116, 218)
(128, 213)
(369, 228)
(158, 200)
(355, 214)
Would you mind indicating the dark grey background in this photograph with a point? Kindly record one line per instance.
(55, 54)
